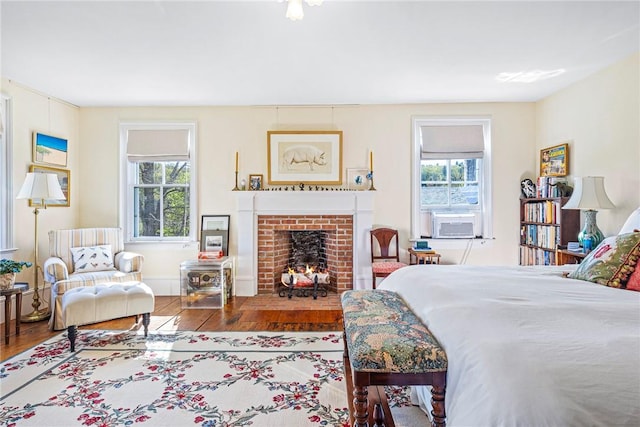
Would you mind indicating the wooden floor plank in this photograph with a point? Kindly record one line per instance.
(265, 313)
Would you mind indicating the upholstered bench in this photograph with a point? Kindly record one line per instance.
(106, 301)
(387, 344)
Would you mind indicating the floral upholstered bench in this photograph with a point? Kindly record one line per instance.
(387, 344)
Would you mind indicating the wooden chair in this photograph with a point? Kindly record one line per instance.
(387, 259)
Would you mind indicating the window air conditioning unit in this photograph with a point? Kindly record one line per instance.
(454, 226)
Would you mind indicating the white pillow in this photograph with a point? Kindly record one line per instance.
(92, 258)
(632, 223)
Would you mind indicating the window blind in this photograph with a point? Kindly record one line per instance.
(448, 142)
(158, 145)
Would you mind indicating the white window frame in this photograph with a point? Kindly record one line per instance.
(127, 179)
(6, 177)
(416, 158)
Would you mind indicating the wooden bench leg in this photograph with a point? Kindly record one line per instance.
(438, 390)
(71, 333)
(360, 406)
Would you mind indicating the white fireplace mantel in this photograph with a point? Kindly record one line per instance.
(251, 204)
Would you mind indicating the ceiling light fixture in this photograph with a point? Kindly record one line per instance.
(294, 8)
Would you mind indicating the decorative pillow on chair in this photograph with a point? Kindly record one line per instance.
(92, 258)
(612, 262)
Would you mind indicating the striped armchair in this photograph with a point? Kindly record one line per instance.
(99, 257)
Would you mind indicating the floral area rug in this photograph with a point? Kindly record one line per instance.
(180, 379)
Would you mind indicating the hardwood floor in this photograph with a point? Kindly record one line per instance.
(261, 313)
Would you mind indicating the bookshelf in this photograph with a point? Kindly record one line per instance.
(543, 226)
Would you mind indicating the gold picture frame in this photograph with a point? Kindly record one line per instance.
(310, 157)
(256, 182)
(554, 161)
(64, 178)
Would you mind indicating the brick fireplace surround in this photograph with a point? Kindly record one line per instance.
(264, 216)
(274, 247)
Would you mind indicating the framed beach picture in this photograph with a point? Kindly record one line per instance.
(554, 161)
(49, 150)
(64, 178)
(310, 157)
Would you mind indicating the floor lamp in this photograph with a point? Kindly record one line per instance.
(39, 188)
(589, 195)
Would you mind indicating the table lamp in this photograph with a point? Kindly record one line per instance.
(40, 188)
(589, 195)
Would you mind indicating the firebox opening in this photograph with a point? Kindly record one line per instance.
(308, 250)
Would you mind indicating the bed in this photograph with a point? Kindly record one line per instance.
(528, 346)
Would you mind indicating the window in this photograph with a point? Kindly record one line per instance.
(160, 182)
(451, 180)
(6, 188)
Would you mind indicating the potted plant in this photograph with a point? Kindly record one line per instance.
(8, 270)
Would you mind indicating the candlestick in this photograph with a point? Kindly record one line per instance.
(236, 162)
(236, 186)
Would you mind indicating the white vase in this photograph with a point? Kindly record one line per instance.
(7, 280)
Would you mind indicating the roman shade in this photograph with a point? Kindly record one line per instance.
(447, 142)
(158, 145)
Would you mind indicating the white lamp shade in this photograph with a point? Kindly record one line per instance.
(41, 186)
(588, 193)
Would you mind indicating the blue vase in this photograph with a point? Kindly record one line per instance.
(590, 236)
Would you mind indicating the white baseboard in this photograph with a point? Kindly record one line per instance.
(163, 286)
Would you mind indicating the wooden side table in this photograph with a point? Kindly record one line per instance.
(7, 293)
(565, 256)
(423, 257)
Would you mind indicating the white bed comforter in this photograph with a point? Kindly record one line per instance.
(527, 347)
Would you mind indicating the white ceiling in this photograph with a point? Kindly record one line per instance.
(170, 53)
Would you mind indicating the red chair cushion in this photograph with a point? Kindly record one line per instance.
(386, 267)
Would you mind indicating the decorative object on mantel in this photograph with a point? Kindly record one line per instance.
(8, 270)
(235, 188)
(589, 195)
(255, 182)
(357, 179)
(370, 174)
(39, 188)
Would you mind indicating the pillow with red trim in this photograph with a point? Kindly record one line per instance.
(612, 262)
(634, 280)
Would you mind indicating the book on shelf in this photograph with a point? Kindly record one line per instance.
(424, 250)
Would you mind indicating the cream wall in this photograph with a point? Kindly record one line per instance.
(385, 129)
(600, 115)
(33, 111)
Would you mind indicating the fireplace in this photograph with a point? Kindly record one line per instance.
(275, 247)
(264, 217)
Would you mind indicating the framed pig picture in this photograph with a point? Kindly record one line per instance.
(310, 157)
